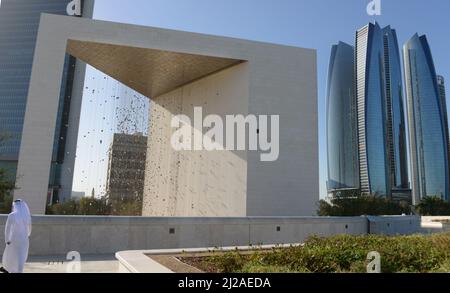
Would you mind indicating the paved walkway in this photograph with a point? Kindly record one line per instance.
(59, 264)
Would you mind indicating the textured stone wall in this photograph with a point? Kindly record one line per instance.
(197, 183)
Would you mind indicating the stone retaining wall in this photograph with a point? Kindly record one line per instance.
(57, 235)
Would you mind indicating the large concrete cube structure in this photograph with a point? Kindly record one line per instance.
(179, 71)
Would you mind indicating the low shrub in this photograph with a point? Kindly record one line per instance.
(91, 206)
(345, 204)
(344, 253)
(86, 206)
(433, 206)
(7, 186)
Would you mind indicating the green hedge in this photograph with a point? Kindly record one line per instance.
(344, 253)
(352, 203)
(91, 206)
(6, 189)
(434, 206)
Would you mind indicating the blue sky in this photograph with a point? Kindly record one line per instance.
(304, 23)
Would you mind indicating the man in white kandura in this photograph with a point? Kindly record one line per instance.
(17, 233)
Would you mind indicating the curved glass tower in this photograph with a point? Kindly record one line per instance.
(426, 118)
(371, 111)
(366, 123)
(381, 123)
(341, 120)
(441, 86)
(396, 126)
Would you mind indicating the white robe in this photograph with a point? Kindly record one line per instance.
(17, 232)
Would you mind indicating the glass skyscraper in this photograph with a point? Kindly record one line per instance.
(426, 118)
(396, 126)
(441, 86)
(19, 24)
(381, 127)
(341, 120)
(442, 95)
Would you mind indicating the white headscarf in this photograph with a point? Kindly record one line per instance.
(22, 212)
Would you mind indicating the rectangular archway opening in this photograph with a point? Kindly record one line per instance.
(123, 155)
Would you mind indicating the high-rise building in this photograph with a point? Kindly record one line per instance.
(396, 126)
(381, 127)
(441, 86)
(19, 24)
(126, 167)
(341, 120)
(442, 95)
(428, 135)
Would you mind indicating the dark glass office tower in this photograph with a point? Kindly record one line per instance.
(371, 111)
(441, 86)
(19, 24)
(381, 127)
(341, 120)
(396, 126)
(442, 95)
(426, 118)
